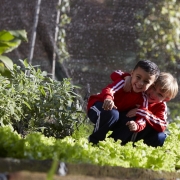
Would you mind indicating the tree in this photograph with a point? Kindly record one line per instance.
(159, 30)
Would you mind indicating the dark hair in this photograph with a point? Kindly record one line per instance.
(149, 67)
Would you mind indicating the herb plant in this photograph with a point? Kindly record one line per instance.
(31, 101)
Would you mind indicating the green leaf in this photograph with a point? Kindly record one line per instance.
(11, 109)
(25, 63)
(9, 40)
(20, 34)
(3, 47)
(11, 45)
(2, 67)
(27, 105)
(42, 90)
(7, 62)
(6, 36)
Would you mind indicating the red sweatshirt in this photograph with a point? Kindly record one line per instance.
(123, 100)
(155, 114)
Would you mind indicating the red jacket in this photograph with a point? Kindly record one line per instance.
(155, 114)
(123, 100)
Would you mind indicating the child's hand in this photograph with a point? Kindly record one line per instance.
(132, 125)
(131, 113)
(127, 84)
(108, 104)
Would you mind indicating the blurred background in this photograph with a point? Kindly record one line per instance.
(86, 40)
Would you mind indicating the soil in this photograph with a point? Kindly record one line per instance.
(23, 175)
(16, 169)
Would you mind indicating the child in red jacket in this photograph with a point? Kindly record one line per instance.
(104, 108)
(150, 123)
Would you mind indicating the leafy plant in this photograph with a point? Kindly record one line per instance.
(174, 111)
(158, 32)
(9, 40)
(37, 146)
(38, 103)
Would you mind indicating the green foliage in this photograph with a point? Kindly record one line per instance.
(108, 152)
(9, 40)
(11, 143)
(64, 21)
(158, 32)
(174, 111)
(83, 130)
(35, 102)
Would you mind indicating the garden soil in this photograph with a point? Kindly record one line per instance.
(16, 169)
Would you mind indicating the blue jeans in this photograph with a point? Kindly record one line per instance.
(115, 121)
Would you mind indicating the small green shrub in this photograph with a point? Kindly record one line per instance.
(31, 101)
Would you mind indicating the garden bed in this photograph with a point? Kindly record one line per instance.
(18, 169)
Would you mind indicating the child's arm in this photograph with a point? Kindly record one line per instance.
(109, 91)
(132, 125)
(137, 125)
(132, 112)
(118, 74)
(122, 75)
(108, 104)
(156, 120)
(107, 94)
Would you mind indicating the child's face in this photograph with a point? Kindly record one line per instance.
(141, 80)
(155, 95)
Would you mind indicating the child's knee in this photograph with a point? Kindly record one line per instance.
(161, 137)
(113, 113)
(92, 116)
